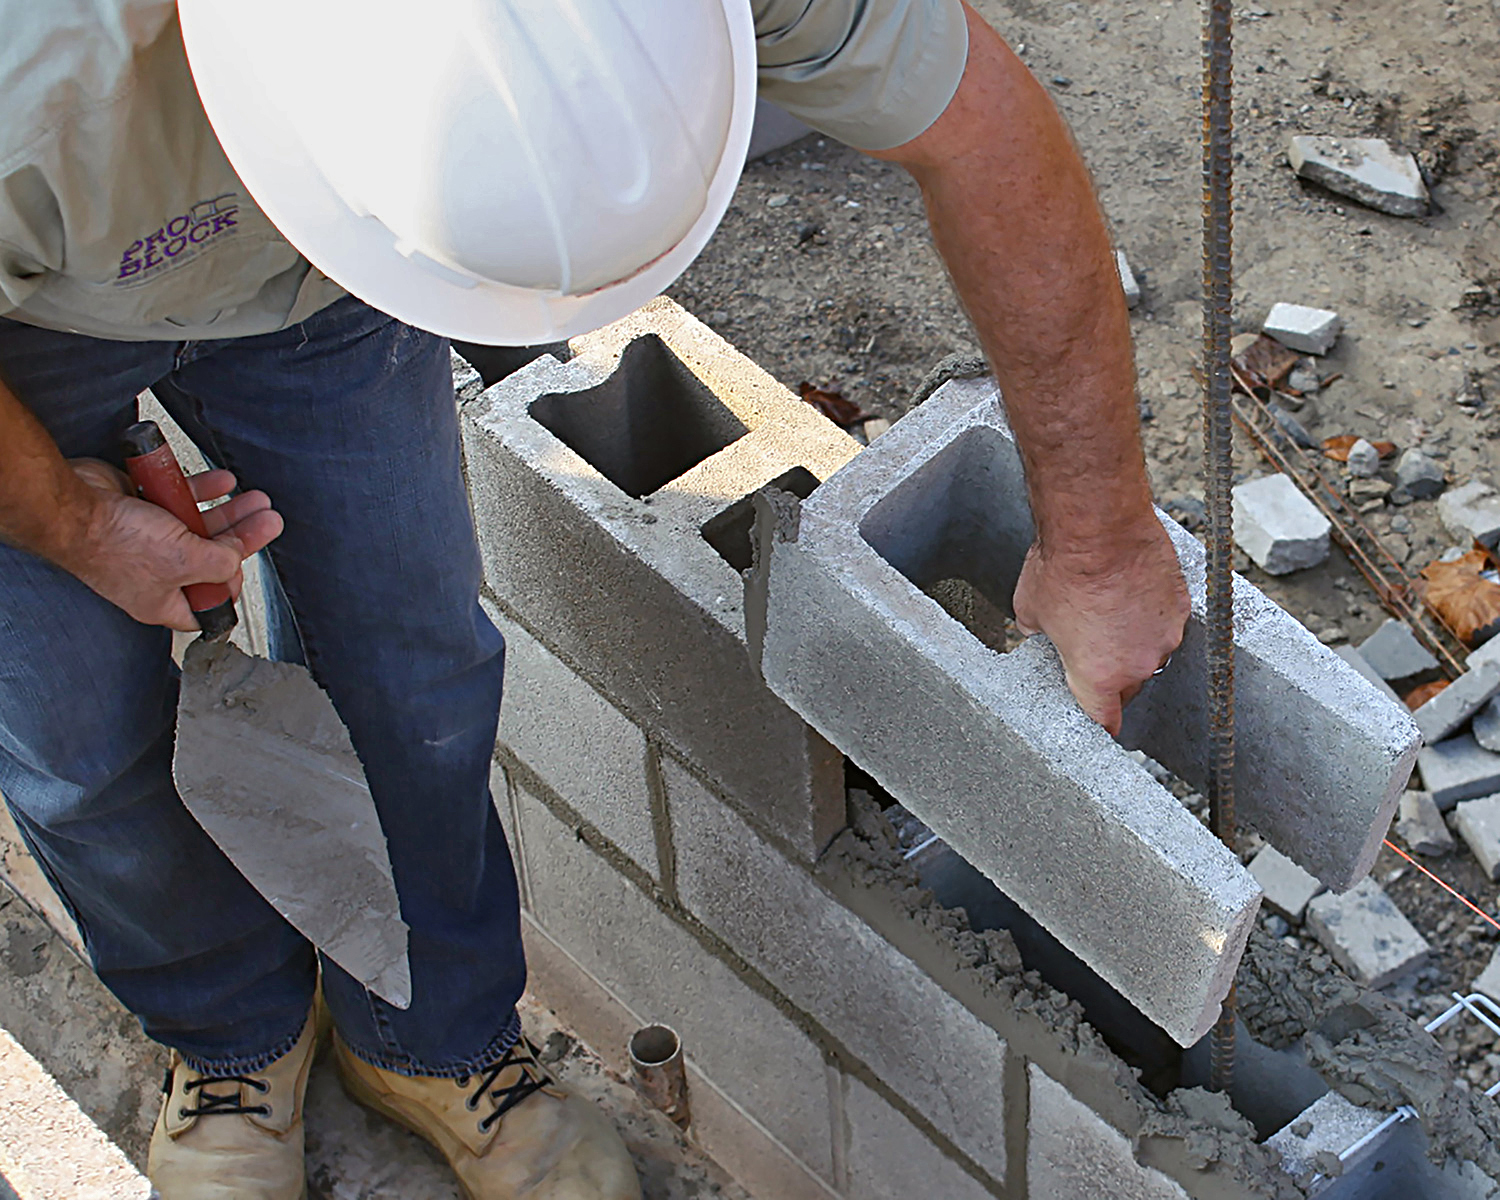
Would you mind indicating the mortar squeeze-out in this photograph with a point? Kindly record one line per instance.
(1306, 1029)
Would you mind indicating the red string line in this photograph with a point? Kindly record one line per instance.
(1441, 884)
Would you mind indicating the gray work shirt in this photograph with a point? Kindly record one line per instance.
(120, 216)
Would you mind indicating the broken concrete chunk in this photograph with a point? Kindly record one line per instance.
(1310, 330)
(1421, 826)
(1127, 280)
(1458, 769)
(1279, 527)
(1419, 476)
(1472, 512)
(1478, 823)
(1446, 712)
(1357, 660)
(1287, 886)
(1363, 460)
(1366, 934)
(1364, 169)
(1396, 655)
(1487, 726)
(1488, 983)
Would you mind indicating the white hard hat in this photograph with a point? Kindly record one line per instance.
(502, 171)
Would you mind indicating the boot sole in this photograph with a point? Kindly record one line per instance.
(365, 1096)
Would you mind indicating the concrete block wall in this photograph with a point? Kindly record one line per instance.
(671, 819)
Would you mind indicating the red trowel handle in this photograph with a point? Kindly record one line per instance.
(153, 469)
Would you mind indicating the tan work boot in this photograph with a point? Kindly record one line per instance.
(233, 1137)
(509, 1132)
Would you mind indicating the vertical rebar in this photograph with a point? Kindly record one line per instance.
(1218, 461)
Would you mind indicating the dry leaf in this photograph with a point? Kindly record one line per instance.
(1385, 449)
(1267, 361)
(1338, 447)
(1459, 593)
(1419, 696)
(833, 405)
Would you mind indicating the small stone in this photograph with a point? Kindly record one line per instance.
(1127, 280)
(1400, 524)
(1458, 768)
(780, 200)
(1478, 823)
(1487, 726)
(1279, 527)
(1367, 935)
(1277, 926)
(875, 426)
(1287, 886)
(1188, 511)
(1395, 654)
(1471, 512)
(1364, 169)
(1364, 459)
(1421, 826)
(1297, 327)
(1362, 491)
(1419, 476)
(1304, 379)
(1489, 982)
(1292, 427)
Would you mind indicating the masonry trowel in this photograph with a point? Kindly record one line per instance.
(265, 765)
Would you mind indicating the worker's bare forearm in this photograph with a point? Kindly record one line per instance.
(45, 507)
(1014, 215)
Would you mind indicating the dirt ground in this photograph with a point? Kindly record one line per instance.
(824, 272)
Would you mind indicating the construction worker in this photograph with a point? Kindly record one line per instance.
(265, 250)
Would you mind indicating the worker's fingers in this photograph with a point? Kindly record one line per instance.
(1103, 705)
(252, 532)
(211, 485)
(233, 511)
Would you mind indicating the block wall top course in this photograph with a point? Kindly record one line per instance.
(628, 590)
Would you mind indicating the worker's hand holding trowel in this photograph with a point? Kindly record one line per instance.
(140, 557)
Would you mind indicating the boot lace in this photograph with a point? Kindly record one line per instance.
(214, 1104)
(532, 1079)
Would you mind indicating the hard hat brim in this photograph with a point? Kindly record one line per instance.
(359, 253)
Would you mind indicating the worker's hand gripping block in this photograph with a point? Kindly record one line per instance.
(991, 751)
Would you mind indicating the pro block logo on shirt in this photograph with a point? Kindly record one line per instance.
(180, 239)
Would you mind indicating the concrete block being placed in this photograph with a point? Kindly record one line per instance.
(1288, 888)
(611, 500)
(1297, 327)
(1364, 169)
(1278, 527)
(1478, 823)
(1421, 826)
(1367, 934)
(1396, 655)
(978, 743)
(1472, 513)
(1458, 769)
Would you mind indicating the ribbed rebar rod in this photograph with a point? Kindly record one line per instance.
(1218, 461)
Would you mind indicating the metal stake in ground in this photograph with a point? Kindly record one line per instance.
(1218, 446)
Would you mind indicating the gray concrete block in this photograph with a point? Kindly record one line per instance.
(1287, 886)
(1298, 327)
(1395, 654)
(889, 1159)
(1421, 826)
(1458, 768)
(1367, 934)
(597, 485)
(1486, 726)
(1324, 1130)
(1074, 1154)
(1471, 512)
(1420, 476)
(1488, 983)
(1357, 660)
(885, 1009)
(1447, 712)
(989, 750)
(1278, 527)
(1368, 170)
(578, 743)
(1478, 823)
(660, 972)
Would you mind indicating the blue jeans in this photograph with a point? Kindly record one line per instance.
(348, 422)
